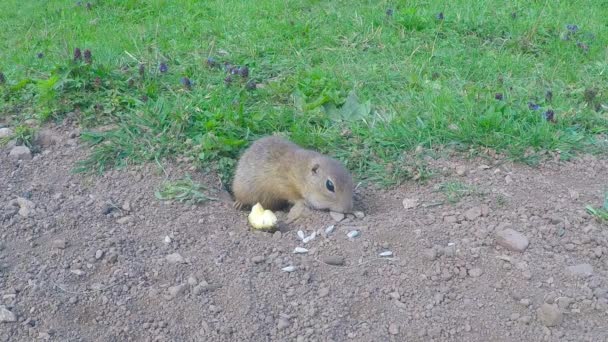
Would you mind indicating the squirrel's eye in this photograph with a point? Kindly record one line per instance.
(330, 185)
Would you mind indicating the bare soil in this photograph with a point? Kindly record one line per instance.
(90, 261)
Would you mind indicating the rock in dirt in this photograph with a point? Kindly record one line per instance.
(393, 329)
(461, 170)
(475, 272)
(5, 132)
(512, 240)
(549, 315)
(7, 316)
(334, 260)
(26, 207)
(580, 270)
(176, 290)
(409, 203)
(472, 213)
(99, 254)
(175, 258)
(336, 216)
(283, 323)
(20, 153)
(59, 244)
(258, 259)
(359, 214)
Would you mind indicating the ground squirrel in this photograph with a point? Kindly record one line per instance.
(276, 172)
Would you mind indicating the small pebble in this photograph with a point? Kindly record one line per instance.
(359, 214)
(289, 269)
(386, 254)
(283, 323)
(549, 315)
(6, 316)
(409, 203)
(475, 272)
(329, 229)
(175, 258)
(353, 234)
(301, 235)
(300, 250)
(336, 216)
(258, 259)
(334, 260)
(99, 254)
(393, 329)
(59, 244)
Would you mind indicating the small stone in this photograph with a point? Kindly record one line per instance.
(409, 203)
(525, 319)
(124, 219)
(26, 207)
(283, 323)
(192, 281)
(20, 153)
(508, 179)
(524, 302)
(126, 206)
(323, 292)
(549, 315)
(73, 300)
(59, 244)
(430, 253)
(176, 290)
(472, 213)
(359, 214)
(5, 132)
(475, 272)
(334, 260)
(175, 258)
(564, 302)
(258, 259)
(512, 240)
(336, 216)
(99, 254)
(393, 329)
(580, 270)
(7, 316)
(461, 170)
(514, 316)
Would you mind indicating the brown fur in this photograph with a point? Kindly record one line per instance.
(276, 172)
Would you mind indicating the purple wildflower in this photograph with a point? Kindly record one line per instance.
(244, 72)
(498, 96)
(77, 55)
(87, 56)
(163, 67)
(439, 16)
(533, 106)
(186, 83)
(549, 115)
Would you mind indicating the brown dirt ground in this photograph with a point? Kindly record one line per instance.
(448, 280)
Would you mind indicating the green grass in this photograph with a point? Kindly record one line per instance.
(600, 213)
(340, 76)
(455, 191)
(182, 190)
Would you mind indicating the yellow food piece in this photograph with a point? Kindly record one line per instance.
(261, 219)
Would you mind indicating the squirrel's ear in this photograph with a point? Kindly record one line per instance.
(315, 168)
